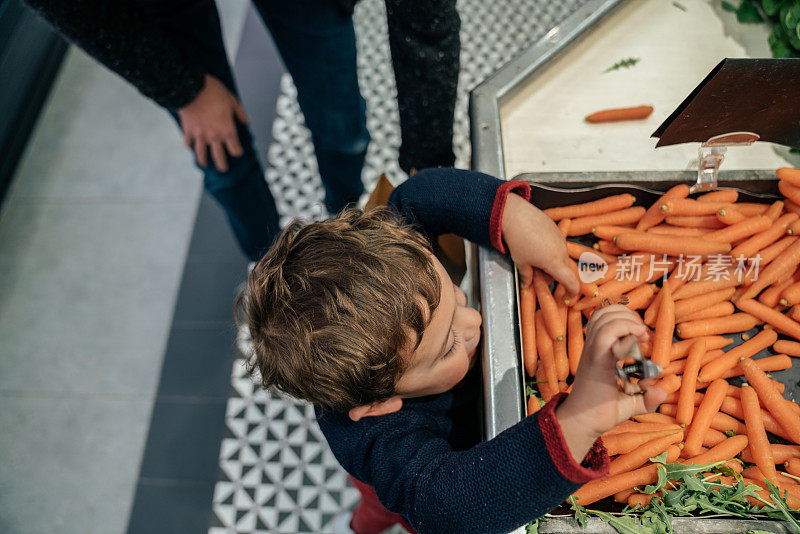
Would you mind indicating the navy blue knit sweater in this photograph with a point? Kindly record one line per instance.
(425, 461)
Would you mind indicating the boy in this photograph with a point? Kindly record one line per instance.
(357, 316)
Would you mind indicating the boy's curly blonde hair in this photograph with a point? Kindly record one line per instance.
(331, 308)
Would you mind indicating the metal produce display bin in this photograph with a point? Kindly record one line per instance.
(504, 399)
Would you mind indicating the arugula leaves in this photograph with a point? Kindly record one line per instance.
(623, 64)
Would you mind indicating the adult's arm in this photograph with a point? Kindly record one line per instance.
(119, 35)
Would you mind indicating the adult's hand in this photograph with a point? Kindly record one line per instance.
(208, 122)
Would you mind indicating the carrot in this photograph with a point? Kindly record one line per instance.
(588, 289)
(793, 228)
(724, 451)
(751, 209)
(574, 339)
(702, 287)
(690, 207)
(733, 407)
(609, 485)
(625, 442)
(784, 264)
(673, 246)
(681, 349)
(651, 313)
(584, 225)
(547, 305)
(640, 297)
(686, 395)
(533, 405)
(633, 426)
(773, 295)
(678, 366)
(547, 358)
(771, 252)
(702, 418)
(741, 230)
(560, 348)
(713, 437)
(730, 216)
(610, 231)
(775, 318)
(774, 403)
(620, 114)
(720, 309)
(789, 175)
(667, 229)
(728, 196)
(665, 327)
(654, 417)
(791, 207)
(792, 192)
(791, 348)
(753, 244)
(564, 225)
(794, 313)
(709, 222)
(595, 207)
(527, 307)
(780, 453)
(607, 247)
(774, 210)
(640, 500)
(686, 307)
(623, 496)
(790, 295)
(669, 383)
(576, 249)
(654, 215)
(756, 435)
(777, 362)
(792, 466)
(738, 322)
(638, 456)
(730, 359)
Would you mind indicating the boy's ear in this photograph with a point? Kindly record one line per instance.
(390, 405)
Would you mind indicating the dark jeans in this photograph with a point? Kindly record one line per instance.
(317, 44)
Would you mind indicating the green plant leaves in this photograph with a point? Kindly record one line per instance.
(623, 64)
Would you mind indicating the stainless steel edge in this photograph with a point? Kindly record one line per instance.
(501, 354)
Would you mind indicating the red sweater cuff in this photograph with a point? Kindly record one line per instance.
(594, 464)
(519, 187)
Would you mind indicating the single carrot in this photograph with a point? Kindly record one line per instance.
(640, 297)
(781, 453)
(686, 395)
(560, 348)
(702, 418)
(790, 295)
(665, 327)
(680, 349)
(774, 403)
(607, 247)
(533, 405)
(609, 485)
(724, 451)
(686, 307)
(730, 359)
(610, 231)
(771, 252)
(584, 225)
(640, 500)
(654, 215)
(773, 317)
(667, 229)
(720, 309)
(773, 295)
(750, 247)
(654, 417)
(595, 207)
(791, 207)
(675, 283)
(623, 496)
(547, 305)
(728, 278)
(792, 192)
(527, 311)
(669, 383)
(620, 114)
(756, 435)
(588, 289)
(774, 210)
(784, 264)
(725, 423)
(574, 339)
(545, 390)
(730, 216)
(768, 364)
(673, 246)
(789, 175)
(792, 466)
(728, 196)
(751, 209)
(708, 222)
(794, 313)
(741, 230)
(690, 207)
(547, 358)
(564, 225)
(625, 442)
(678, 366)
(738, 322)
(576, 249)
(639, 455)
(790, 348)
(633, 426)
(713, 437)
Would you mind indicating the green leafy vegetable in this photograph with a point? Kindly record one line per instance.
(780, 503)
(727, 6)
(532, 527)
(623, 524)
(580, 513)
(747, 13)
(662, 481)
(623, 64)
(679, 6)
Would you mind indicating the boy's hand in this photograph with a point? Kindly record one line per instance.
(534, 240)
(596, 403)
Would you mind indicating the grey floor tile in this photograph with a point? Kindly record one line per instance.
(69, 464)
(86, 294)
(184, 439)
(99, 138)
(171, 508)
(232, 15)
(213, 238)
(207, 292)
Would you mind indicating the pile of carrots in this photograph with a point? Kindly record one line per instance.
(704, 419)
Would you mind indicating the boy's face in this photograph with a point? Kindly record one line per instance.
(448, 346)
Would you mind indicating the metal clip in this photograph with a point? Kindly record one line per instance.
(710, 156)
(641, 368)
